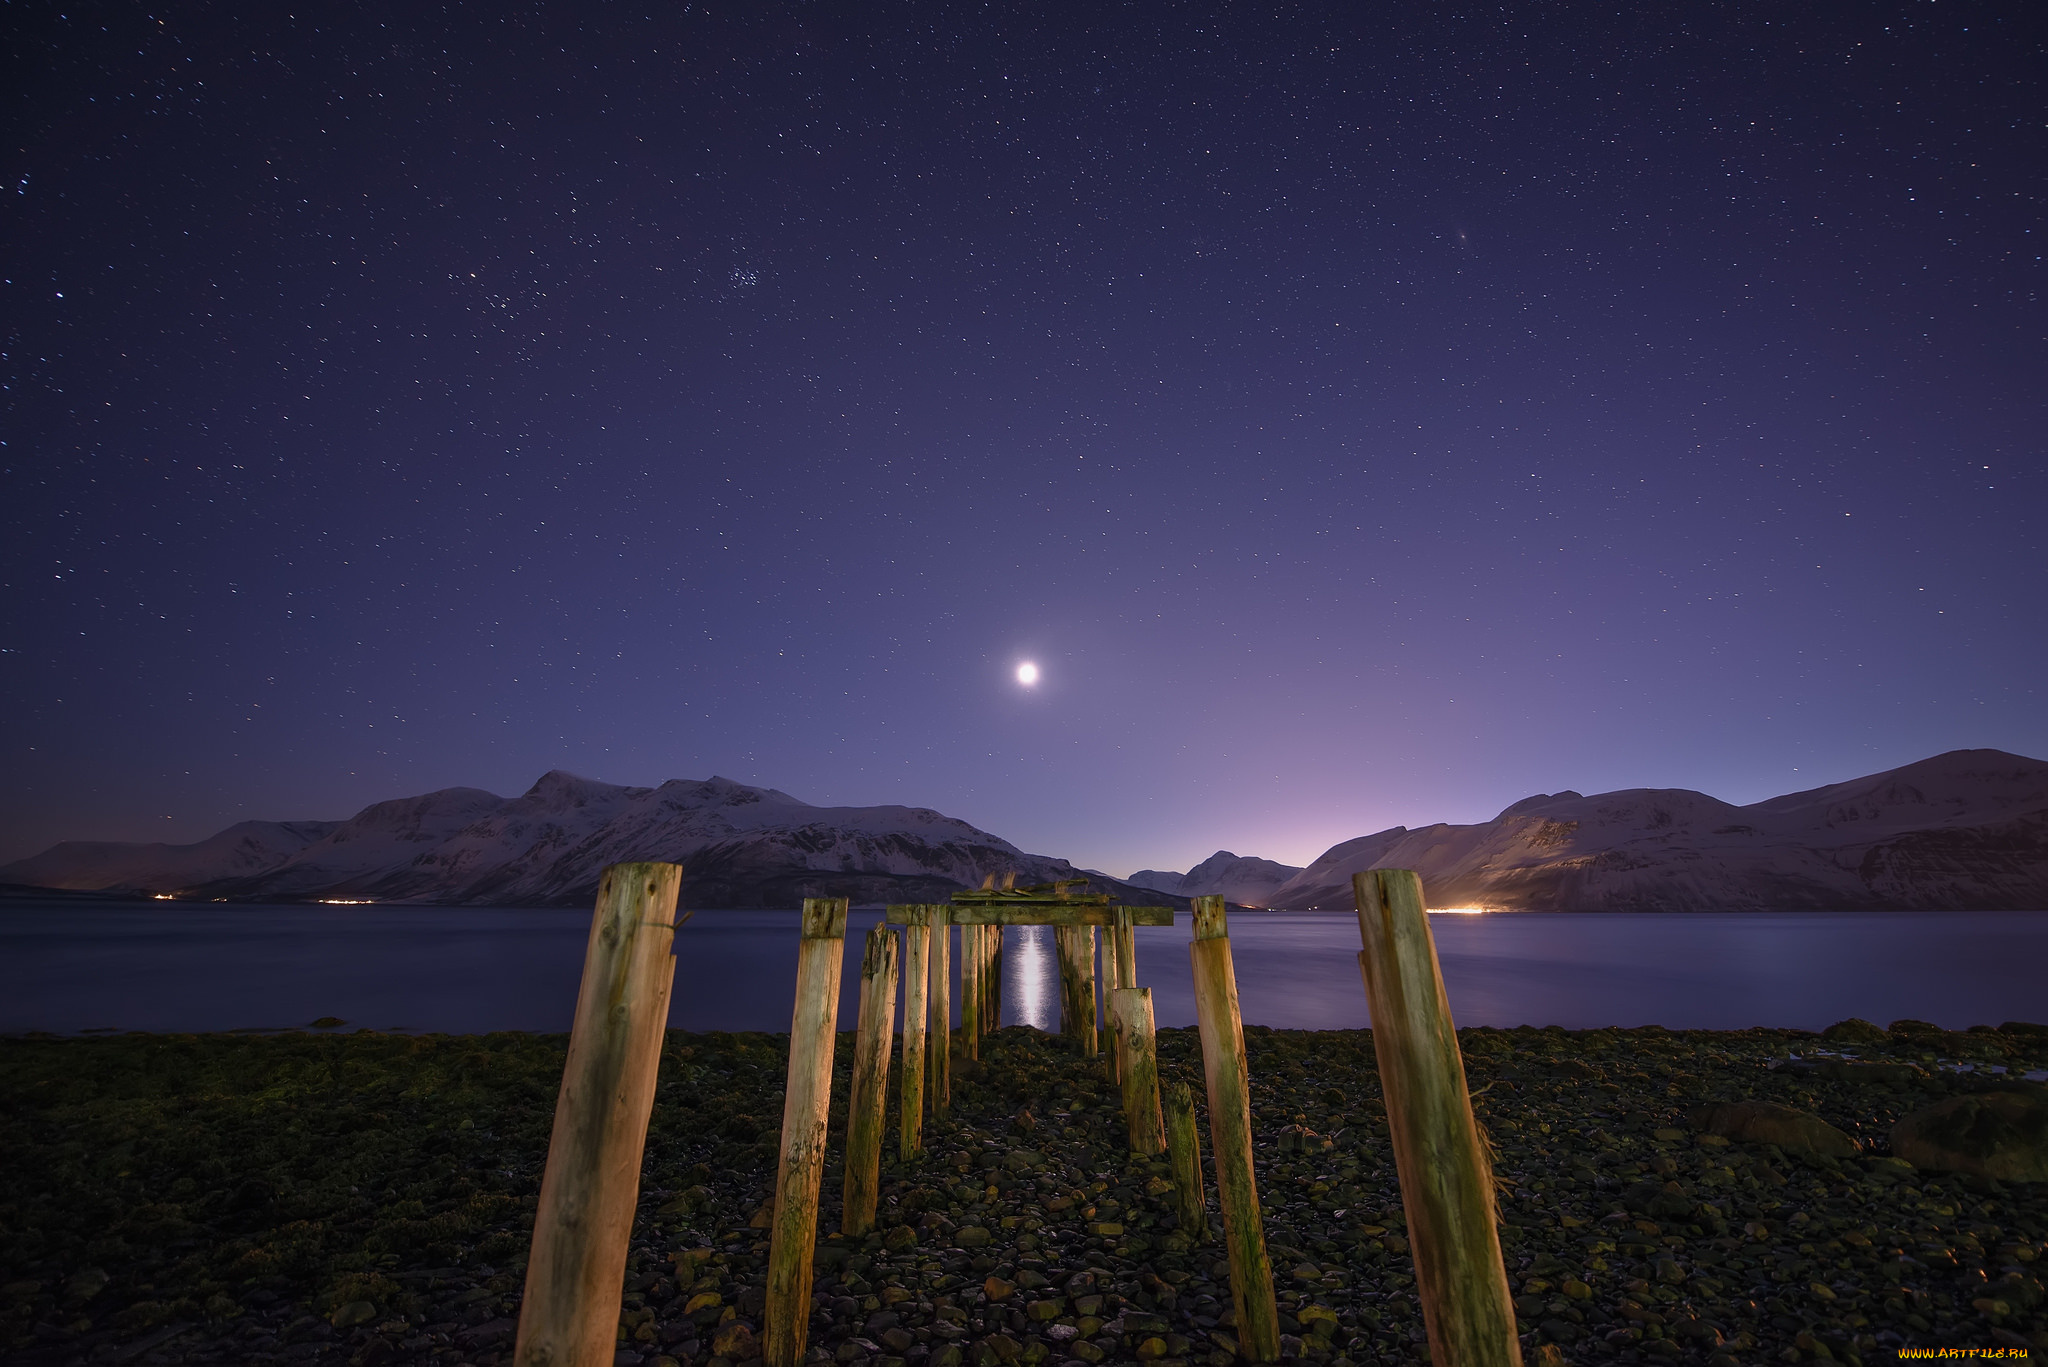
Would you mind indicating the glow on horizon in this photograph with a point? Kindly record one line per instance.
(1459, 911)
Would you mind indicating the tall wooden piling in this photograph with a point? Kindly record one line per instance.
(576, 1267)
(917, 939)
(970, 990)
(1137, 1044)
(1446, 1180)
(1125, 940)
(995, 978)
(1076, 945)
(1190, 1209)
(939, 1048)
(793, 1235)
(1230, 1132)
(869, 1093)
(1112, 1025)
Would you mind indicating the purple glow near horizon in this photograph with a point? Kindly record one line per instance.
(1359, 419)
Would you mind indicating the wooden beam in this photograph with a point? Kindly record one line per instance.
(576, 1269)
(1042, 913)
(1446, 1181)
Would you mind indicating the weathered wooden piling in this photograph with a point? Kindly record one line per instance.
(970, 990)
(995, 978)
(917, 939)
(1076, 946)
(1183, 1145)
(939, 1048)
(869, 1092)
(793, 1234)
(1230, 1132)
(1137, 1044)
(576, 1267)
(1446, 1180)
(1112, 1025)
(1126, 942)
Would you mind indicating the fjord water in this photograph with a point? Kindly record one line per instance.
(69, 967)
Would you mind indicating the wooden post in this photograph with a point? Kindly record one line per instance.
(939, 1048)
(1230, 1133)
(1112, 1024)
(1084, 943)
(1077, 985)
(995, 978)
(1131, 1009)
(1189, 1208)
(806, 1102)
(576, 1268)
(1446, 1180)
(869, 1092)
(917, 938)
(1126, 949)
(970, 990)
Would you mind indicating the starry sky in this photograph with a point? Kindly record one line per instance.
(1361, 414)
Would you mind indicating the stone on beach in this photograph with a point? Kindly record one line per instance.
(1766, 1122)
(2001, 1133)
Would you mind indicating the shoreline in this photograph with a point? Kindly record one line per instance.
(364, 1199)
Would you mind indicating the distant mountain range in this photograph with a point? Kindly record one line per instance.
(1243, 879)
(739, 847)
(1967, 830)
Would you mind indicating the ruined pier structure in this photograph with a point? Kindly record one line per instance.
(581, 1230)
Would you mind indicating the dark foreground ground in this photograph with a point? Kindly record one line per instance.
(366, 1199)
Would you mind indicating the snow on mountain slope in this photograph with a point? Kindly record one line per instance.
(740, 846)
(103, 865)
(1243, 879)
(1964, 830)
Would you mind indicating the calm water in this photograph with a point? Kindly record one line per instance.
(66, 967)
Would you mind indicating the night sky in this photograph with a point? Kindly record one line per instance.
(1361, 414)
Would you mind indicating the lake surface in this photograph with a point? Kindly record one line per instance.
(69, 967)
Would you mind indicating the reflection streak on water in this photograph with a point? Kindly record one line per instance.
(1029, 976)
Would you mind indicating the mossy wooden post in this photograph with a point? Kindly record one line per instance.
(1136, 1040)
(970, 990)
(576, 1267)
(1230, 1132)
(995, 978)
(917, 939)
(1084, 937)
(939, 1048)
(1446, 1181)
(1112, 1025)
(1077, 985)
(869, 1093)
(1126, 942)
(793, 1235)
(1190, 1209)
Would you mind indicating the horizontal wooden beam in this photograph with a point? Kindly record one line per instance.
(1046, 913)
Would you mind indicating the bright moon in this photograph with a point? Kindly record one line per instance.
(1027, 673)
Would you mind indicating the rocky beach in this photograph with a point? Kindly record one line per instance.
(358, 1198)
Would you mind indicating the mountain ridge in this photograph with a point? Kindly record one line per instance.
(740, 846)
(1964, 830)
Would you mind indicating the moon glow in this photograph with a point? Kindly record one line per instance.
(1027, 673)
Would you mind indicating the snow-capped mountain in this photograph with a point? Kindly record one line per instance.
(739, 847)
(1967, 830)
(1243, 879)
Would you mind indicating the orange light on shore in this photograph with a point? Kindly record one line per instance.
(1459, 911)
(162, 897)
